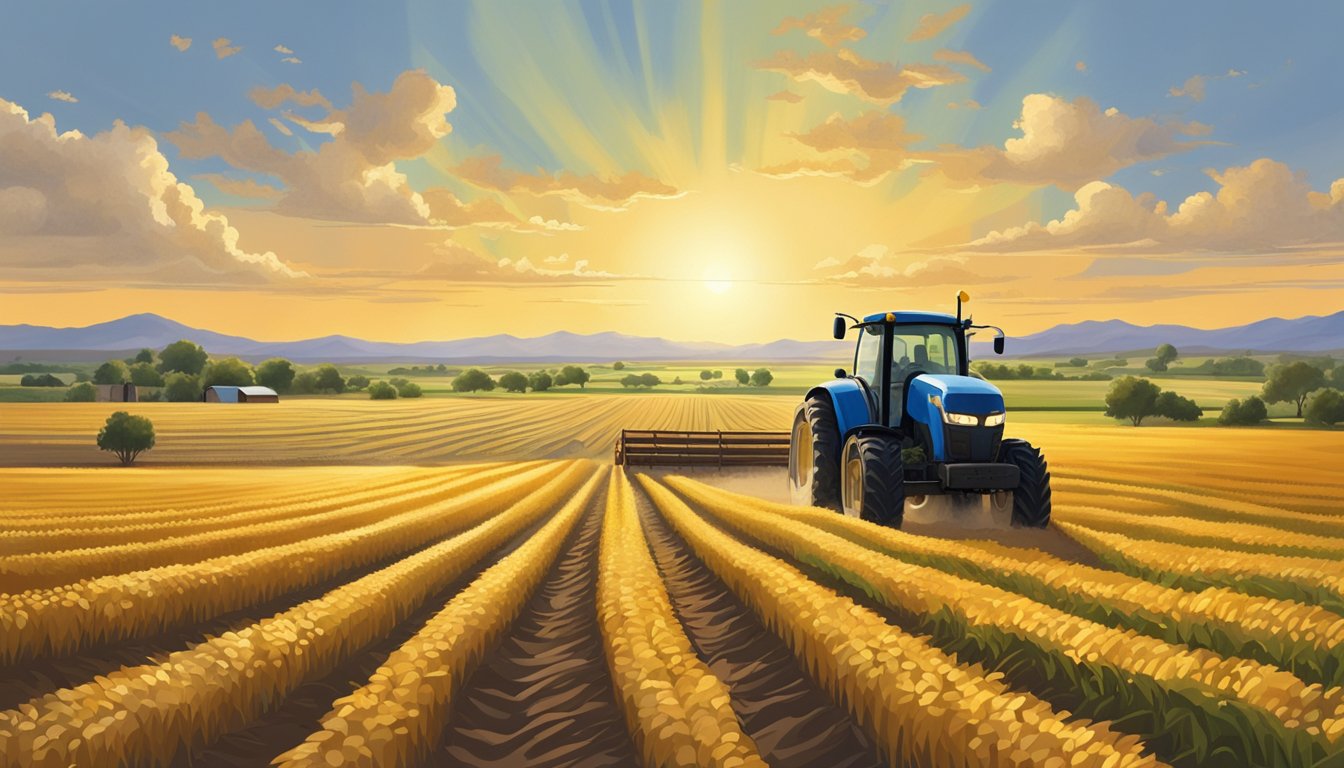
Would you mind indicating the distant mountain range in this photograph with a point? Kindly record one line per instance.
(1304, 334)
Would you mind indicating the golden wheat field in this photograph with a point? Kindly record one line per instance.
(524, 610)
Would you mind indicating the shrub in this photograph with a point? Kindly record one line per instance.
(227, 372)
(83, 392)
(761, 377)
(112, 372)
(649, 380)
(181, 388)
(618, 366)
(1094, 376)
(145, 356)
(1177, 408)
(381, 390)
(1155, 365)
(329, 379)
(1238, 413)
(182, 357)
(41, 380)
(127, 436)
(572, 374)
(706, 375)
(1327, 407)
(304, 383)
(473, 380)
(409, 389)
(540, 381)
(145, 375)
(677, 380)
(1078, 362)
(742, 376)
(1232, 366)
(718, 374)
(513, 381)
(357, 382)
(278, 374)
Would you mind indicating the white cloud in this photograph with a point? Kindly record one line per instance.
(76, 207)
(224, 47)
(876, 265)
(273, 98)
(488, 172)
(1263, 205)
(179, 42)
(844, 71)
(458, 263)
(292, 60)
(1068, 144)
(878, 137)
(353, 176)
(62, 96)
(283, 49)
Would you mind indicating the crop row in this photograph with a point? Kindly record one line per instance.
(398, 715)
(47, 569)
(677, 710)
(1305, 639)
(1184, 530)
(56, 621)
(146, 714)
(1252, 710)
(921, 704)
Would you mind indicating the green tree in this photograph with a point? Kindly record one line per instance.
(181, 388)
(540, 381)
(357, 382)
(1242, 413)
(630, 380)
(1292, 383)
(706, 375)
(1337, 375)
(1155, 365)
(227, 372)
(381, 390)
(127, 436)
(304, 384)
(329, 379)
(649, 380)
(112, 372)
(1166, 353)
(1077, 362)
(1132, 398)
(618, 366)
(183, 357)
(1326, 407)
(718, 374)
(742, 376)
(572, 374)
(40, 380)
(277, 373)
(144, 375)
(761, 377)
(513, 381)
(408, 389)
(1177, 408)
(83, 392)
(145, 356)
(473, 380)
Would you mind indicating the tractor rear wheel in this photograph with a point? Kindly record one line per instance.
(1031, 499)
(814, 454)
(873, 480)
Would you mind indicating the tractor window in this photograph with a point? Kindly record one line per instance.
(867, 356)
(919, 349)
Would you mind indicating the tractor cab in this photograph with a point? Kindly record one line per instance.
(911, 422)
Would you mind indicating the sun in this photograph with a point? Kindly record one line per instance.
(718, 279)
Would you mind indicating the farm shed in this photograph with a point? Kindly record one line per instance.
(116, 393)
(220, 394)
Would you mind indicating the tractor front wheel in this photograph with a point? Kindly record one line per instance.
(873, 480)
(814, 454)
(1031, 498)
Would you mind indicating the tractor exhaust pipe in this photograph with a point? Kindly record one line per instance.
(962, 296)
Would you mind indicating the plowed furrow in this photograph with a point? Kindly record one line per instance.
(544, 697)
(792, 720)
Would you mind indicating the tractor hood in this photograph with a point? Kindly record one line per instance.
(959, 394)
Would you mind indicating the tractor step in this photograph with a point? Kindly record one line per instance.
(664, 448)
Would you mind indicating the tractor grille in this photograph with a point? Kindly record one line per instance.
(980, 444)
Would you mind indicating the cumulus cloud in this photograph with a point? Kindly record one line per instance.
(76, 207)
(1068, 144)
(960, 57)
(826, 25)
(877, 137)
(352, 177)
(785, 95)
(179, 42)
(224, 47)
(1258, 206)
(65, 96)
(283, 49)
(249, 188)
(876, 265)
(488, 172)
(291, 60)
(273, 98)
(458, 263)
(932, 25)
(844, 71)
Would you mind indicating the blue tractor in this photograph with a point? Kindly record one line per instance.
(911, 423)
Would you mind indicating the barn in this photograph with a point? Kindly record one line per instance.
(221, 394)
(116, 393)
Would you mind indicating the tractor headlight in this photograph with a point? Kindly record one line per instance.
(995, 419)
(964, 419)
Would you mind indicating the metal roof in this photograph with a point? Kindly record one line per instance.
(254, 391)
(229, 394)
(913, 317)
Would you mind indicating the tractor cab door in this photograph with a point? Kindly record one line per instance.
(868, 364)
(921, 348)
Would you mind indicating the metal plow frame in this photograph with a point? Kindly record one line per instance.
(670, 448)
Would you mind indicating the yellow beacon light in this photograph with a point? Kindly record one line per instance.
(965, 297)
(891, 317)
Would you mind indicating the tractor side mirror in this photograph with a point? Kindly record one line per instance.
(998, 345)
(839, 329)
(839, 373)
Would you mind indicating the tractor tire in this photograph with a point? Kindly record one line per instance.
(814, 455)
(873, 480)
(1031, 499)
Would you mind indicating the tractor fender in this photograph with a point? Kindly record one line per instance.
(851, 404)
(871, 429)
